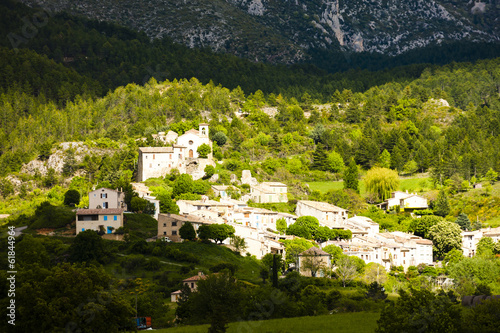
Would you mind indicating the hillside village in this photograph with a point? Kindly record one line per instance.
(145, 184)
(258, 227)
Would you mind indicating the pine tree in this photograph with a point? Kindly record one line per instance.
(463, 221)
(351, 177)
(442, 206)
(320, 158)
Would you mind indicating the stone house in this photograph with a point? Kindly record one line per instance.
(223, 191)
(107, 220)
(269, 192)
(169, 225)
(223, 208)
(314, 262)
(104, 198)
(327, 214)
(191, 282)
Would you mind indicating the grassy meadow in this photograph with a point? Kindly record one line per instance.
(419, 183)
(355, 322)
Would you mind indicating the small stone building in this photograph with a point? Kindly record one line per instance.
(314, 262)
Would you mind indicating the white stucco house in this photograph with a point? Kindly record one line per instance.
(471, 238)
(106, 220)
(327, 214)
(406, 201)
(182, 155)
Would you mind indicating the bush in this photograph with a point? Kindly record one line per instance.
(222, 266)
(132, 263)
(71, 198)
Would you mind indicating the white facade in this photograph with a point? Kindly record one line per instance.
(413, 202)
(327, 215)
(269, 192)
(471, 238)
(258, 242)
(104, 198)
(405, 200)
(158, 161)
(225, 210)
(258, 218)
(388, 249)
(363, 224)
(107, 220)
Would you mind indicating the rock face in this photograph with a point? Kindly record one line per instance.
(285, 31)
(57, 158)
(246, 178)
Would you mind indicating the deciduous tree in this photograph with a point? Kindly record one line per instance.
(381, 182)
(187, 231)
(346, 269)
(445, 237)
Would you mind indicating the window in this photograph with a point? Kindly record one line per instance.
(115, 218)
(153, 156)
(180, 156)
(174, 232)
(190, 142)
(164, 224)
(104, 205)
(105, 218)
(192, 284)
(104, 195)
(110, 230)
(164, 233)
(83, 229)
(174, 224)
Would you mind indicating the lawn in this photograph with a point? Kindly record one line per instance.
(416, 184)
(355, 322)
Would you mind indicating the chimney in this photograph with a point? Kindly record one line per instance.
(200, 273)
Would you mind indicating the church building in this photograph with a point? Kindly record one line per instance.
(182, 155)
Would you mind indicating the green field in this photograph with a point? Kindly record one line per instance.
(417, 184)
(355, 322)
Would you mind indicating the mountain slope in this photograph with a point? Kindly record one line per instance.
(282, 31)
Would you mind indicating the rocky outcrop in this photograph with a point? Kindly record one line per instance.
(284, 31)
(57, 158)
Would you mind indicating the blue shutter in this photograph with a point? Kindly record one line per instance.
(105, 218)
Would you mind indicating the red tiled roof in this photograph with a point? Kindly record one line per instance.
(195, 278)
(109, 211)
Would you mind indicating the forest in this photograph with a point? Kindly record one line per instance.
(79, 97)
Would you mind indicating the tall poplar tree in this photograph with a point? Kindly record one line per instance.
(351, 177)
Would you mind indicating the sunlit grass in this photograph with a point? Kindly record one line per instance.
(356, 322)
(416, 184)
